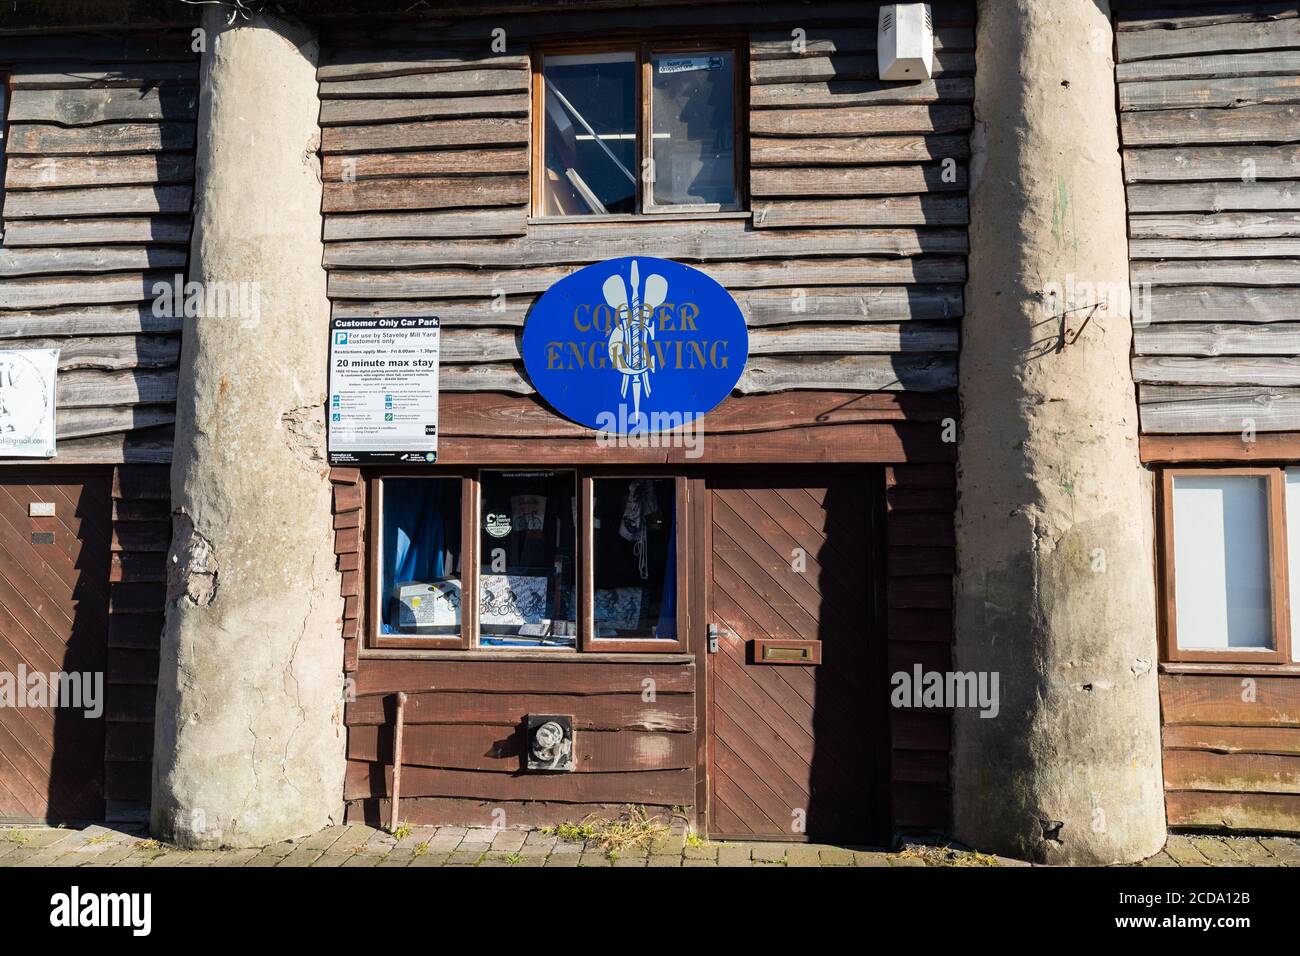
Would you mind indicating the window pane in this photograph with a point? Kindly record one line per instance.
(635, 557)
(420, 548)
(589, 135)
(1221, 563)
(527, 533)
(1293, 554)
(692, 113)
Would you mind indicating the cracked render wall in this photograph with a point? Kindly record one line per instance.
(1055, 586)
(249, 738)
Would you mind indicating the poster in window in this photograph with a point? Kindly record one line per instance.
(512, 600)
(383, 390)
(27, 402)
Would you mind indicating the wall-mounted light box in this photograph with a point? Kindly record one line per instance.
(905, 42)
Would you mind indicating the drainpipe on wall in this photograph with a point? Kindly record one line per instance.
(1055, 590)
(249, 740)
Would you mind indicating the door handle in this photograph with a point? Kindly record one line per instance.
(715, 636)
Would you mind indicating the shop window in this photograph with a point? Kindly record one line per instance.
(634, 566)
(527, 559)
(420, 545)
(637, 129)
(1226, 575)
(556, 560)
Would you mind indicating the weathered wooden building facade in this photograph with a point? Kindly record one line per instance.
(98, 187)
(847, 259)
(470, 159)
(1209, 126)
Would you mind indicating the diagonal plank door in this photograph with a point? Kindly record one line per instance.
(54, 583)
(792, 747)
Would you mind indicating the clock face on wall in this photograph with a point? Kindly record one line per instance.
(27, 402)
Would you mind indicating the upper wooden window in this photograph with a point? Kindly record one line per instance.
(1226, 578)
(637, 128)
(528, 558)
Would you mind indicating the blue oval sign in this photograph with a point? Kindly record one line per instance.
(636, 344)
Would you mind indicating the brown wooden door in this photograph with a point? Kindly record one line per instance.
(793, 749)
(53, 618)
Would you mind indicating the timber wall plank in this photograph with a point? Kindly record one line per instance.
(462, 744)
(137, 578)
(1210, 127)
(98, 193)
(1232, 750)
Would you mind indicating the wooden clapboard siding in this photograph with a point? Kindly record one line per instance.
(1210, 123)
(349, 550)
(464, 738)
(138, 574)
(1231, 747)
(99, 184)
(849, 271)
(920, 561)
(858, 190)
(790, 427)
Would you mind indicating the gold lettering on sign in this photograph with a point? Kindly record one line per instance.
(688, 355)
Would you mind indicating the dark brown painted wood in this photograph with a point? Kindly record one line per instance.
(669, 712)
(1230, 700)
(791, 750)
(53, 618)
(497, 748)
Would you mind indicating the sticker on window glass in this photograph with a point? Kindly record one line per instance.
(497, 525)
(687, 64)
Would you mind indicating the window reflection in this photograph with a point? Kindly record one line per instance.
(527, 538)
(634, 529)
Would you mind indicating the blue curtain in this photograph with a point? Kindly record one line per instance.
(417, 512)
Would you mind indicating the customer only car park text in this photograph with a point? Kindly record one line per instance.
(383, 390)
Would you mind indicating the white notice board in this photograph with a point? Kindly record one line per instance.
(27, 402)
(383, 404)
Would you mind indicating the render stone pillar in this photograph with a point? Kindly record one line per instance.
(1055, 585)
(249, 741)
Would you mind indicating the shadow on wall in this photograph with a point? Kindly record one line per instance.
(851, 720)
(77, 785)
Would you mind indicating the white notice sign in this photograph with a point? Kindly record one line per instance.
(383, 390)
(27, 402)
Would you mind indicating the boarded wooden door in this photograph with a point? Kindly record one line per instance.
(793, 748)
(53, 618)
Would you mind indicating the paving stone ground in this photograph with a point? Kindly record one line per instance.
(354, 845)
